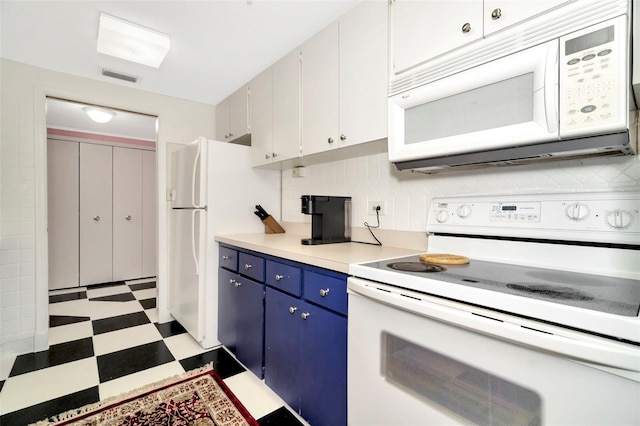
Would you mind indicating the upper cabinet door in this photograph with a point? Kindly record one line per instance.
(421, 30)
(320, 91)
(222, 120)
(363, 73)
(499, 14)
(96, 220)
(127, 213)
(286, 107)
(261, 107)
(232, 116)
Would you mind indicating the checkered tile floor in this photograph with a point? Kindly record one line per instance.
(105, 340)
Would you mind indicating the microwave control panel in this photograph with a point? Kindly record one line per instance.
(592, 79)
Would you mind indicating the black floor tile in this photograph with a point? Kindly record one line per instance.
(280, 417)
(119, 322)
(123, 297)
(102, 285)
(224, 364)
(142, 286)
(1, 385)
(58, 320)
(169, 329)
(56, 355)
(76, 295)
(148, 303)
(51, 408)
(131, 360)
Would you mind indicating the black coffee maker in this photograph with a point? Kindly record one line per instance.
(330, 219)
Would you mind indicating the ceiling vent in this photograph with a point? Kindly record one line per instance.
(119, 75)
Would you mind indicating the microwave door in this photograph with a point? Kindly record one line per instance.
(507, 102)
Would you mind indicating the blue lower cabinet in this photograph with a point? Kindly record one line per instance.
(306, 358)
(241, 318)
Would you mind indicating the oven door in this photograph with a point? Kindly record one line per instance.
(508, 102)
(412, 361)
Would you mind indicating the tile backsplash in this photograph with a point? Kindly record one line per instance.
(407, 194)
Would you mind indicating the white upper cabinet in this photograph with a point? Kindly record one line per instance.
(344, 81)
(286, 107)
(232, 116)
(363, 41)
(320, 90)
(423, 30)
(261, 106)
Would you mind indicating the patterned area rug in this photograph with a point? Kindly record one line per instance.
(199, 398)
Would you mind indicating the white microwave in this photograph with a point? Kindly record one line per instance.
(567, 97)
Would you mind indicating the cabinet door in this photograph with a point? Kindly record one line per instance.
(320, 103)
(282, 345)
(422, 30)
(222, 120)
(323, 372)
(63, 210)
(499, 14)
(127, 213)
(363, 73)
(286, 107)
(149, 214)
(249, 325)
(96, 254)
(227, 311)
(261, 101)
(239, 114)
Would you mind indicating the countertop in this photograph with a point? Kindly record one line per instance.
(335, 257)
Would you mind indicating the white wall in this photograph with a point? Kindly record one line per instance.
(23, 198)
(373, 178)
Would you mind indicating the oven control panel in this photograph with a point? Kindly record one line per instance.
(598, 217)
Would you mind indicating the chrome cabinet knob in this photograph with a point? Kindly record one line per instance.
(247, 266)
(225, 257)
(232, 281)
(237, 284)
(304, 315)
(128, 217)
(292, 309)
(496, 13)
(466, 27)
(274, 155)
(330, 140)
(279, 277)
(96, 218)
(343, 137)
(267, 156)
(324, 292)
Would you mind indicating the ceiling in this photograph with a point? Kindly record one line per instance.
(216, 45)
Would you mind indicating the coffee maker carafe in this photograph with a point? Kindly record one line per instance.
(330, 219)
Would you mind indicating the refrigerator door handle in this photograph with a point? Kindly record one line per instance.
(193, 177)
(193, 240)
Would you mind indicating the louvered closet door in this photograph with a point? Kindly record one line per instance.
(95, 214)
(127, 213)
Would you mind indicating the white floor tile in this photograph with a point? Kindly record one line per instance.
(74, 308)
(69, 332)
(148, 293)
(127, 338)
(7, 358)
(139, 379)
(66, 290)
(142, 280)
(257, 397)
(152, 314)
(38, 386)
(107, 291)
(100, 310)
(183, 346)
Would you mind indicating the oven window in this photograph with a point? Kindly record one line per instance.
(459, 388)
(496, 105)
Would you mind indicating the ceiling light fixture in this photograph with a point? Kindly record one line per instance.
(131, 42)
(99, 115)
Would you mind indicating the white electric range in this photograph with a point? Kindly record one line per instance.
(541, 326)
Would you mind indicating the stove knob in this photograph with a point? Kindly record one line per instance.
(464, 211)
(442, 216)
(619, 219)
(577, 211)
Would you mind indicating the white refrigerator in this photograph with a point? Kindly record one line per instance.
(214, 191)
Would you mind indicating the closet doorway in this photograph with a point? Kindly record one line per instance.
(101, 185)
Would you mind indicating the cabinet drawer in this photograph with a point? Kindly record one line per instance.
(326, 291)
(251, 266)
(228, 259)
(284, 277)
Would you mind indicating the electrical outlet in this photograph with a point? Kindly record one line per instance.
(372, 205)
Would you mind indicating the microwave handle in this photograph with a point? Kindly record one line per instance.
(551, 87)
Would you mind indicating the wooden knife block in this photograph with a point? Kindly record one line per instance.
(271, 226)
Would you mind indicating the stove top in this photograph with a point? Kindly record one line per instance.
(612, 295)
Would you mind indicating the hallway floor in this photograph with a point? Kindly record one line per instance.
(105, 340)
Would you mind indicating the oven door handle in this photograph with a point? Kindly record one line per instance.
(588, 350)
